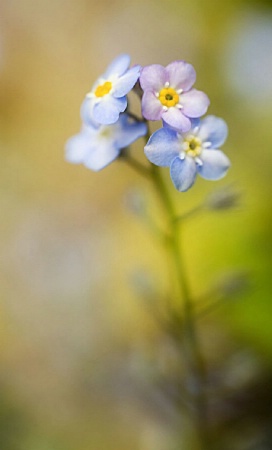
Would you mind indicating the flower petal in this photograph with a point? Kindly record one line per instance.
(195, 103)
(214, 164)
(86, 112)
(151, 106)
(163, 146)
(128, 132)
(181, 75)
(214, 130)
(118, 66)
(77, 147)
(176, 119)
(183, 173)
(101, 156)
(126, 82)
(107, 111)
(153, 78)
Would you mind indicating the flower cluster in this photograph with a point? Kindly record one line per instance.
(106, 128)
(185, 143)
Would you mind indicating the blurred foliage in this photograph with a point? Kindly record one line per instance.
(13, 423)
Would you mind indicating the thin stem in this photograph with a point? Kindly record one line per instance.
(196, 370)
(186, 319)
(190, 213)
(134, 116)
(164, 195)
(136, 165)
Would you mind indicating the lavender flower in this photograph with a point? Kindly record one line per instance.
(96, 147)
(187, 154)
(107, 98)
(168, 95)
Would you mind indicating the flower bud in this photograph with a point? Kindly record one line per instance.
(225, 198)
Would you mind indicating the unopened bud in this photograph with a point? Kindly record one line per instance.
(135, 202)
(225, 198)
(233, 283)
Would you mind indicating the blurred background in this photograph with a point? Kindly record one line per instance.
(76, 258)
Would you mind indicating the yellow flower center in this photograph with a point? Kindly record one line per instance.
(168, 97)
(103, 89)
(192, 146)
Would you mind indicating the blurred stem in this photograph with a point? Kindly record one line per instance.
(186, 320)
(189, 214)
(136, 165)
(134, 116)
(183, 322)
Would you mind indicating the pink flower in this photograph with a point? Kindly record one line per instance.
(168, 95)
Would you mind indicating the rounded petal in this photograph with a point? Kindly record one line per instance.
(195, 123)
(214, 164)
(118, 66)
(107, 111)
(126, 82)
(181, 75)
(151, 106)
(77, 147)
(195, 103)
(86, 112)
(153, 78)
(128, 132)
(214, 130)
(176, 119)
(163, 146)
(183, 173)
(101, 156)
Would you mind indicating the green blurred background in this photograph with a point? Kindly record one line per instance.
(72, 326)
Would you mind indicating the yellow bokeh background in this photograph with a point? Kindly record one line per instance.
(70, 247)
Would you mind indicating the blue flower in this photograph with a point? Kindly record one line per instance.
(107, 98)
(187, 154)
(96, 147)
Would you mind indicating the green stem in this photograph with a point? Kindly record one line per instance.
(186, 319)
(163, 192)
(136, 165)
(189, 214)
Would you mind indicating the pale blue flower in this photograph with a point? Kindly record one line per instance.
(168, 95)
(96, 147)
(107, 98)
(191, 153)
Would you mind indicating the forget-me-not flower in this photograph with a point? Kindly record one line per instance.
(168, 95)
(107, 98)
(96, 147)
(187, 154)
